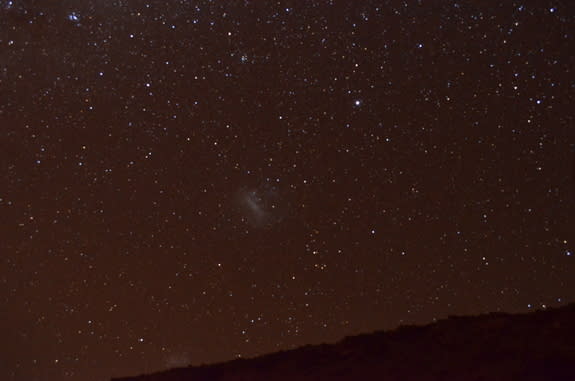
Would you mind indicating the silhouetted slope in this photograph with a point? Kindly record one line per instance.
(497, 346)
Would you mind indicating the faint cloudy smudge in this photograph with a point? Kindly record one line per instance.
(178, 360)
(260, 207)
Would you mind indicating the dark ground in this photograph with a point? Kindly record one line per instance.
(497, 346)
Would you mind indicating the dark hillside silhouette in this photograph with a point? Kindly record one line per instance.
(497, 346)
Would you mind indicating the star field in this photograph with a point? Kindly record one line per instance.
(184, 182)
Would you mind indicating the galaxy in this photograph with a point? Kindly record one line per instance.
(187, 182)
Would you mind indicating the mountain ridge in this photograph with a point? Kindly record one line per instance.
(538, 345)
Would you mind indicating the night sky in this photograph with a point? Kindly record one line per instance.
(194, 181)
